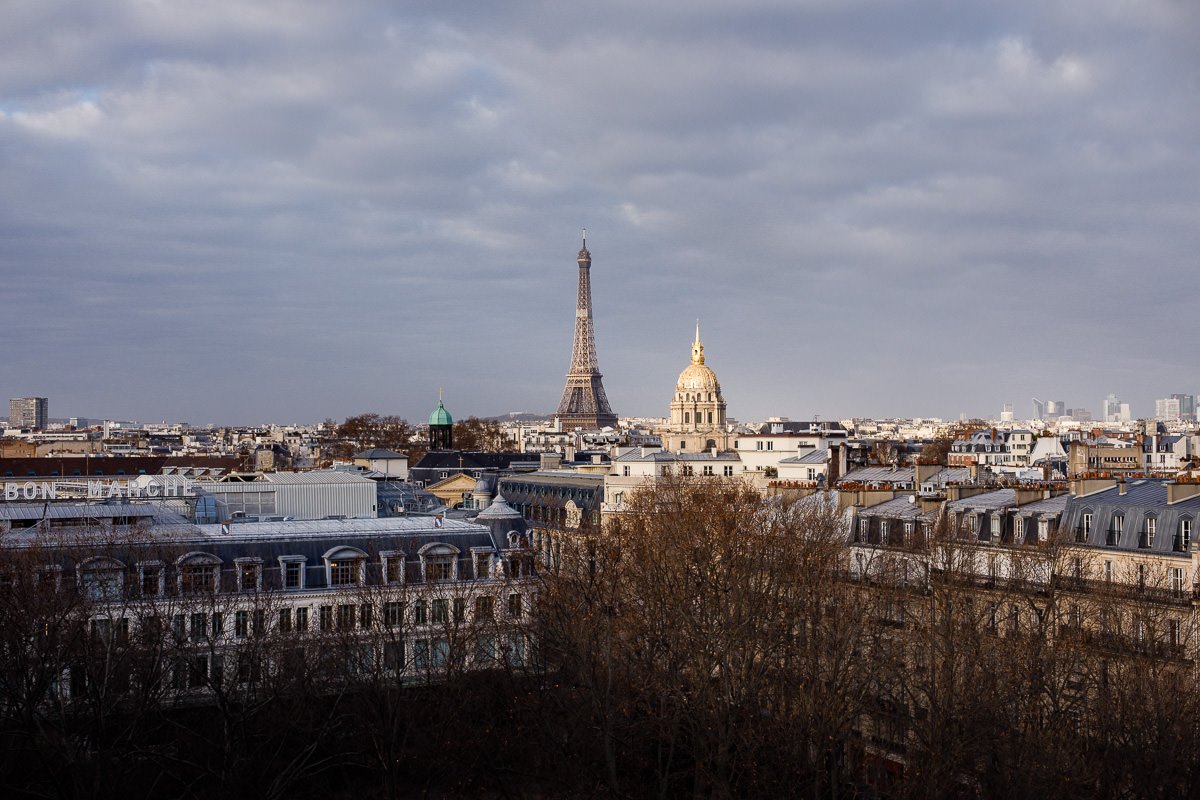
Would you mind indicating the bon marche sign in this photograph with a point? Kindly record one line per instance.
(96, 490)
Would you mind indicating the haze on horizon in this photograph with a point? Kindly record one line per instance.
(287, 211)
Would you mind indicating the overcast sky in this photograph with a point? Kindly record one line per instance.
(231, 211)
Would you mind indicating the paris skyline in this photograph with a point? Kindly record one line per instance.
(294, 211)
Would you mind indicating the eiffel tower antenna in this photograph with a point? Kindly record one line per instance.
(584, 404)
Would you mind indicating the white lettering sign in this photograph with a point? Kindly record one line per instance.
(96, 490)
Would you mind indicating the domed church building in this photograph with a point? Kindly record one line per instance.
(698, 409)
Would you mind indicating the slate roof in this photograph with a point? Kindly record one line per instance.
(378, 453)
(817, 456)
(1142, 499)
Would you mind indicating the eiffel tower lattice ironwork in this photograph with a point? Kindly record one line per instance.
(584, 404)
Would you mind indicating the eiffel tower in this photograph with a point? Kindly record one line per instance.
(584, 404)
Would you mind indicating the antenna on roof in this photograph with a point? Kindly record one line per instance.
(585, 238)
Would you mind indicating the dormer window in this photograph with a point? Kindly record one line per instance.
(291, 569)
(101, 579)
(150, 578)
(1147, 538)
(1115, 529)
(439, 562)
(1183, 539)
(249, 574)
(198, 573)
(345, 566)
(393, 567)
(483, 563)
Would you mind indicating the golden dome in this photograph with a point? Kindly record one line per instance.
(697, 376)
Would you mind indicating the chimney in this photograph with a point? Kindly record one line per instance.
(1181, 491)
(835, 464)
(1122, 486)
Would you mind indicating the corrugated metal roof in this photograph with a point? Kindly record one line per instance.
(316, 476)
(82, 510)
(326, 527)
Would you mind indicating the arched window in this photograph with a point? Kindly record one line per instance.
(439, 561)
(101, 579)
(345, 566)
(198, 573)
(687, 416)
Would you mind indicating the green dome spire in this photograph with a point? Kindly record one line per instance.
(440, 415)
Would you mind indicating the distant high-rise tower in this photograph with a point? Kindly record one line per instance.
(28, 412)
(584, 404)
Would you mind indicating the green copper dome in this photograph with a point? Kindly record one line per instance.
(440, 416)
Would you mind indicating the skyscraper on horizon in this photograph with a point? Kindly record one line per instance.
(584, 404)
(29, 412)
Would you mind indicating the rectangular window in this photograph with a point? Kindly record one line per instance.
(441, 652)
(248, 576)
(260, 622)
(199, 627)
(177, 628)
(625, 471)
(366, 616)
(151, 580)
(419, 617)
(728, 471)
(1151, 529)
(514, 605)
(393, 656)
(197, 579)
(1174, 635)
(439, 568)
(197, 671)
(460, 609)
(293, 574)
(326, 618)
(440, 611)
(393, 614)
(343, 573)
(345, 618)
(1176, 579)
(1108, 571)
(285, 620)
(485, 650)
(483, 565)
(302, 618)
(393, 569)
(218, 624)
(421, 654)
(483, 607)
(241, 624)
(708, 470)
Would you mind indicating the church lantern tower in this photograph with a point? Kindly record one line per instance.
(441, 427)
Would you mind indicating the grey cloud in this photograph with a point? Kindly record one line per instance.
(240, 212)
